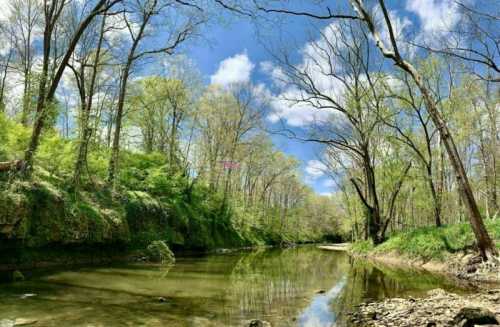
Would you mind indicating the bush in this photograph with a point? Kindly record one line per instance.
(158, 251)
(362, 247)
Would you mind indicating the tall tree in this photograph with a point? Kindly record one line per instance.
(48, 86)
(138, 26)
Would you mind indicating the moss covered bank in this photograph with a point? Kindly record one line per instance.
(41, 224)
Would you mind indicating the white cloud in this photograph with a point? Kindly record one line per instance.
(329, 183)
(5, 12)
(290, 105)
(400, 26)
(436, 16)
(277, 75)
(233, 70)
(315, 169)
(298, 114)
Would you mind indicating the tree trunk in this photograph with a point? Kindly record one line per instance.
(81, 160)
(46, 96)
(435, 198)
(115, 148)
(486, 247)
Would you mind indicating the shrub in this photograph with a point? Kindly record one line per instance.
(362, 247)
(158, 251)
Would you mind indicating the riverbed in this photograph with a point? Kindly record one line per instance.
(301, 286)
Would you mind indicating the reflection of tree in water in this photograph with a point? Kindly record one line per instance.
(370, 282)
(281, 282)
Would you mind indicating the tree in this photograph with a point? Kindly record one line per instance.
(137, 24)
(404, 122)
(475, 41)
(485, 244)
(47, 87)
(90, 58)
(22, 27)
(337, 76)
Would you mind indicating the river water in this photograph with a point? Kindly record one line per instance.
(301, 286)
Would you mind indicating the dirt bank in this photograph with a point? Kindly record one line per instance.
(466, 266)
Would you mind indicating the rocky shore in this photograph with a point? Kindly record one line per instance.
(438, 309)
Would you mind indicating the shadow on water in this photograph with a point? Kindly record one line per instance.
(292, 287)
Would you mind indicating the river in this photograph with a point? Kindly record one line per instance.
(301, 286)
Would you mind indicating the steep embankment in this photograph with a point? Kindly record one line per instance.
(41, 222)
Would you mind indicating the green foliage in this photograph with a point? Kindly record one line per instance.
(362, 247)
(13, 138)
(430, 242)
(17, 276)
(158, 251)
(56, 154)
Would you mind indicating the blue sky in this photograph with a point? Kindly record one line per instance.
(236, 53)
(240, 39)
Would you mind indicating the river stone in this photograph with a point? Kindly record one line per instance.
(6, 323)
(259, 323)
(17, 276)
(470, 317)
(158, 251)
(24, 322)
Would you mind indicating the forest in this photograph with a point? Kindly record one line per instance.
(110, 134)
(219, 162)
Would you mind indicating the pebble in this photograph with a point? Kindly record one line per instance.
(438, 309)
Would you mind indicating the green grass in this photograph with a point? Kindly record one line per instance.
(429, 242)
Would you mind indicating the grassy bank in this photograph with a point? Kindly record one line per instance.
(429, 243)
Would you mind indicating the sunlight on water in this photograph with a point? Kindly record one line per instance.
(279, 286)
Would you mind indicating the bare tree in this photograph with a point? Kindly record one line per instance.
(476, 40)
(392, 52)
(89, 58)
(22, 27)
(338, 76)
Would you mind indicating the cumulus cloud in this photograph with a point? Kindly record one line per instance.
(290, 105)
(400, 26)
(329, 183)
(278, 77)
(315, 169)
(5, 12)
(285, 107)
(437, 17)
(233, 70)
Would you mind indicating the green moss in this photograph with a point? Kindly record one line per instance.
(17, 276)
(158, 251)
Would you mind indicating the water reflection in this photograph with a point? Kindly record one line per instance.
(279, 286)
(319, 313)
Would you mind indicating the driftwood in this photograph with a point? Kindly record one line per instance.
(14, 165)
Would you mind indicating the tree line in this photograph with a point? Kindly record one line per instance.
(102, 92)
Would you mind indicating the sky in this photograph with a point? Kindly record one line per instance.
(239, 53)
(235, 54)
